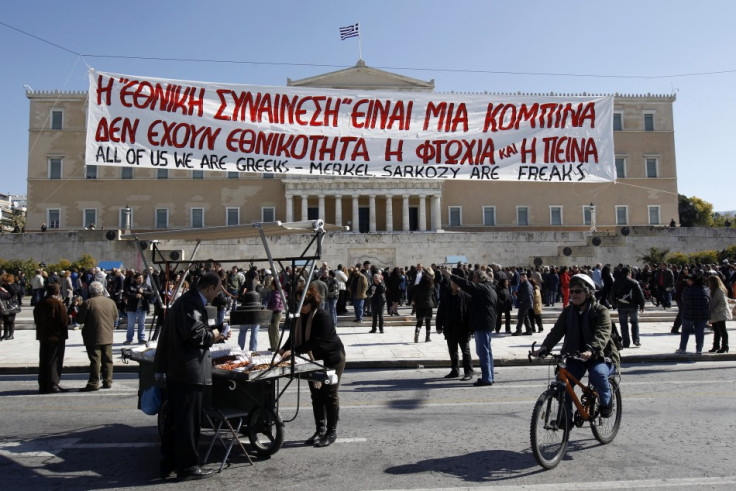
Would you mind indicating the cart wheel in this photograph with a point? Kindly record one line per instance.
(163, 415)
(265, 431)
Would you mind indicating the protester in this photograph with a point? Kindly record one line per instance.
(8, 291)
(483, 307)
(51, 321)
(378, 302)
(720, 312)
(315, 335)
(422, 300)
(183, 355)
(695, 313)
(453, 320)
(137, 296)
(628, 299)
(98, 315)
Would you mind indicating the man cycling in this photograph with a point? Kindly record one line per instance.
(586, 327)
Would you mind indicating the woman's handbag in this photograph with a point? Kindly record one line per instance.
(9, 306)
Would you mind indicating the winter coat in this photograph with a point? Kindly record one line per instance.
(483, 303)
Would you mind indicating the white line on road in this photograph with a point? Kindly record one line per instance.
(638, 484)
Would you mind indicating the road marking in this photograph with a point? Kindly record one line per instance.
(88, 446)
(36, 448)
(638, 484)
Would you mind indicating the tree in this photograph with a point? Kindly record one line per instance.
(654, 255)
(695, 212)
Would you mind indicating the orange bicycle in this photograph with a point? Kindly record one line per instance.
(551, 425)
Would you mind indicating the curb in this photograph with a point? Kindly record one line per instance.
(132, 367)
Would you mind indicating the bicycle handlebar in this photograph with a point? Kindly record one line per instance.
(558, 357)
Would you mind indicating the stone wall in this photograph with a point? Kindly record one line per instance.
(504, 247)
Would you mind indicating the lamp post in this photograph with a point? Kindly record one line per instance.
(126, 219)
(592, 217)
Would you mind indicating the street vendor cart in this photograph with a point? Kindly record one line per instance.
(246, 387)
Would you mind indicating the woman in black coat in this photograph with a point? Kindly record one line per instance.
(422, 299)
(315, 335)
(377, 294)
(9, 291)
(393, 291)
(504, 305)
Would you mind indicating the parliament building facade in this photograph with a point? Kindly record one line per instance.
(65, 194)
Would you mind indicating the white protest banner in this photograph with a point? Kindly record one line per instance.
(173, 124)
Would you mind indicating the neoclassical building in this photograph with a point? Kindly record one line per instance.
(67, 195)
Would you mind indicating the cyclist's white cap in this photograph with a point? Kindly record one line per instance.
(587, 280)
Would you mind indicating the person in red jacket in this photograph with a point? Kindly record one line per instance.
(565, 285)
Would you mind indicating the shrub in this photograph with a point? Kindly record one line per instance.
(704, 257)
(678, 258)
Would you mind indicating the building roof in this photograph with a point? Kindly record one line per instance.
(362, 76)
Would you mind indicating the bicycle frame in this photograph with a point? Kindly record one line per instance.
(569, 381)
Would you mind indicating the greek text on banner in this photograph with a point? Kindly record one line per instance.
(173, 124)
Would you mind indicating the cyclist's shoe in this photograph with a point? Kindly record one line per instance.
(606, 411)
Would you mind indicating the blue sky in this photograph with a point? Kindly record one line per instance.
(627, 46)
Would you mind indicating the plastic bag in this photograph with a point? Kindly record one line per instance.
(151, 400)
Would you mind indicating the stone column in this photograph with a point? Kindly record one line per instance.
(356, 217)
(405, 213)
(436, 213)
(422, 213)
(289, 208)
(338, 210)
(321, 205)
(372, 213)
(389, 213)
(304, 208)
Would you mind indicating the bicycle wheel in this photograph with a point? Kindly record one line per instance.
(549, 430)
(265, 431)
(605, 429)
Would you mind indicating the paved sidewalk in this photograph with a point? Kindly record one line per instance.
(394, 349)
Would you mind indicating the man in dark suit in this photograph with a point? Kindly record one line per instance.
(183, 355)
(51, 322)
(98, 314)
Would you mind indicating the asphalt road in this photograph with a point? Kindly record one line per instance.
(399, 429)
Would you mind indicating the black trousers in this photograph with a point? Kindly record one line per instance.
(463, 342)
(182, 427)
(325, 399)
(50, 363)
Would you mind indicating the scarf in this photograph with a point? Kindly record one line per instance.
(303, 335)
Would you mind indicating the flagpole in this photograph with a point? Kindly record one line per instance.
(360, 44)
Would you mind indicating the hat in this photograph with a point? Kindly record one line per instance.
(587, 280)
(725, 261)
(267, 271)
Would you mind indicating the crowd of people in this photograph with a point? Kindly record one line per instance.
(465, 302)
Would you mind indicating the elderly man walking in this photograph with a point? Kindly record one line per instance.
(482, 314)
(98, 314)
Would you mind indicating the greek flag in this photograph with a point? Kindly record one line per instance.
(349, 32)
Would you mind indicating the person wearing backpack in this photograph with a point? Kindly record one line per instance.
(629, 300)
(586, 326)
(333, 293)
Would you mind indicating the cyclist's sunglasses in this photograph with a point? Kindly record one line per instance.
(576, 290)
